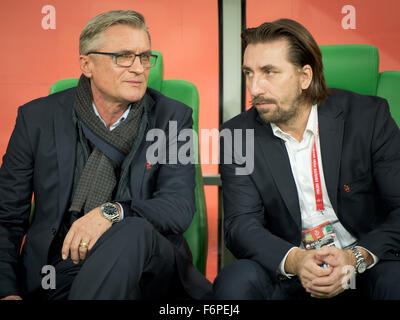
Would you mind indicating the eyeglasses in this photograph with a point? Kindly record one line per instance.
(126, 59)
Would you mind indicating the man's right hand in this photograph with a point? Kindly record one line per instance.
(11, 298)
(306, 264)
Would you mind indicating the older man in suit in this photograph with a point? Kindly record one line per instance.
(110, 222)
(326, 177)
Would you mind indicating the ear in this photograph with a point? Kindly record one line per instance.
(86, 64)
(306, 76)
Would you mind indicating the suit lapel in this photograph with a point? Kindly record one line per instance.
(275, 155)
(331, 138)
(65, 137)
(139, 162)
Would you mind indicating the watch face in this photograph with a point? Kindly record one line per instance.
(110, 210)
(362, 267)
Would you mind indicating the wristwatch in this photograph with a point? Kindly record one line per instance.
(110, 211)
(361, 265)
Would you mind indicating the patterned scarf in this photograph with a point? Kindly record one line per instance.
(98, 178)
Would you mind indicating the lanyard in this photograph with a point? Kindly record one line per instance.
(319, 202)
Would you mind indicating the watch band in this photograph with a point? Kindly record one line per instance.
(361, 264)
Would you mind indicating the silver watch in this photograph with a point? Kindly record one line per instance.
(361, 265)
(110, 211)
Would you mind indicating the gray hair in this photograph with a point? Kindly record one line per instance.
(93, 29)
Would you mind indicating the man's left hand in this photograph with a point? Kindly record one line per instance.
(83, 235)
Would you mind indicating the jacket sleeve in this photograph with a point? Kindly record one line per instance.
(15, 202)
(172, 206)
(245, 230)
(384, 240)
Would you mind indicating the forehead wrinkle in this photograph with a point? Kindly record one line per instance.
(110, 36)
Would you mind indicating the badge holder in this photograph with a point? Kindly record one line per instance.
(319, 236)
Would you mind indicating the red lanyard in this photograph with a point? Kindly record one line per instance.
(319, 202)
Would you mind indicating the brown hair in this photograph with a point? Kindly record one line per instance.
(303, 50)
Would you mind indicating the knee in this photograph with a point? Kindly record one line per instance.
(136, 225)
(386, 288)
(241, 280)
(385, 281)
(133, 229)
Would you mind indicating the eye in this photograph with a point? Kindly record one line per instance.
(145, 56)
(126, 55)
(247, 73)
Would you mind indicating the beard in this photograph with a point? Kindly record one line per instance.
(277, 114)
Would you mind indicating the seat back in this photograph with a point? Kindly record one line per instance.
(389, 88)
(351, 67)
(186, 92)
(355, 67)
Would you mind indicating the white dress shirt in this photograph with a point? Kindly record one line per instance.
(300, 161)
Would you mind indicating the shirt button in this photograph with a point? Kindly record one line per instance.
(53, 231)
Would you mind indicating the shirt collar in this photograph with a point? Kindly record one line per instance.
(311, 126)
(116, 123)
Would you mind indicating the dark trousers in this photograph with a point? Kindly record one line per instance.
(131, 260)
(248, 280)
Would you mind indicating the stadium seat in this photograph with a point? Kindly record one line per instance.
(355, 67)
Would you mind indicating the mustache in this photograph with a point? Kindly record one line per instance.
(261, 100)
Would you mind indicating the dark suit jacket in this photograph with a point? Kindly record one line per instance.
(40, 158)
(360, 146)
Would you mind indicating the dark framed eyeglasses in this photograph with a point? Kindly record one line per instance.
(126, 59)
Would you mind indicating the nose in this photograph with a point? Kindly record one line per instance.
(257, 85)
(136, 66)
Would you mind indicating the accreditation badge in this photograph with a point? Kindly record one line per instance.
(319, 236)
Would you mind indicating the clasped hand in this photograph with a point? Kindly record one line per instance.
(324, 282)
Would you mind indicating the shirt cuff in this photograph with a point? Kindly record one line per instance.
(122, 211)
(376, 259)
(281, 267)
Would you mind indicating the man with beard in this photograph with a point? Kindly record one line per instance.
(323, 200)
